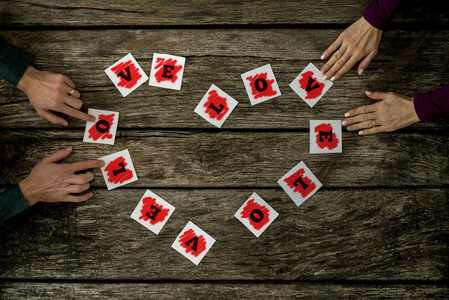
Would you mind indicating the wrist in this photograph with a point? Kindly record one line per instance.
(27, 192)
(27, 79)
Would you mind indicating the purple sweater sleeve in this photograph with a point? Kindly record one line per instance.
(432, 104)
(379, 12)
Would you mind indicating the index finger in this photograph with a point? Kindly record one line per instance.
(87, 164)
(361, 110)
(332, 48)
(70, 111)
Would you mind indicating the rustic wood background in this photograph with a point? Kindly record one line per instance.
(379, 227)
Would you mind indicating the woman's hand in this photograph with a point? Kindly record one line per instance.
(391, 113)
(360, 41)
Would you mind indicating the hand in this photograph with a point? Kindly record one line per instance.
(52, 92)
(393, 112)
(51, 182)
(359, 41)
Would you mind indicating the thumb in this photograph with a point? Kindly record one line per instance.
(58, 155)
(376, 95)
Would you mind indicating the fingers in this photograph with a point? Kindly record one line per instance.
(361, 110)
(68, 81)
(377, 95)
(58, 155)
(346, 67)
(81, 178)
(57, 120)
(80, 198)
(77, 188)
(73, 102)
(372, 130)
(70, 111)
(332, 48)
(331, 62)
(365, 62)
(87, 164)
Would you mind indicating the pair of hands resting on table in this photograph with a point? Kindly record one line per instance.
(360, 42)
(48, 181)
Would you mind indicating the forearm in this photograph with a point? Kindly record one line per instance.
(432, 104)
(379, 12)
(13, 62)
(13, 208)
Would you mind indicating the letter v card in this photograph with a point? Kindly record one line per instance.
(309, 85)
(126, 74)
(193, 243)
(216, 106)
(256, 214)
(152, 212)
(118, 169)
(167, 71)
(325, 136)
(103, 130)
(300, 183)
(261, 85)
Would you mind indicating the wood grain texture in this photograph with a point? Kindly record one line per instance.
(121, 291)
(338, 234)
(84, 13)
(241, 159)
(410, 62)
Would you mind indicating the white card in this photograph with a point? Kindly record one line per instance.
(167, 71)
(310, 86)
(216, 106)
(300, 183)
(256, 214)
(325, 136)
(118, 169)
(152, 212)
(193, 243)
(126, 74)
(103, 130)
(261, 85)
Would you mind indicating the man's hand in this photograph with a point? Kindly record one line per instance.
(52, 182)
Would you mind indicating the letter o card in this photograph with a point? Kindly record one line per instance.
(325, 136)
(167, 71)
(310, 86)
(256, 214)
(300, 183)
(126, 74)
(216, 106)
(152, 212)
(103, 130)
(261, 85)
(118, 169)
(193, 243)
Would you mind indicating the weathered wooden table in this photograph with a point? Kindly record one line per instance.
(377, 229)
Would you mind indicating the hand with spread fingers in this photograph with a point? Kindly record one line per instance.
(359, 42)
(52, 182)
(49, 92)
(391, 113)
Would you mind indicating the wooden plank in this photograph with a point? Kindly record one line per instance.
(202, 12)
(241, 159)
(219, 57)
(32, 290)
(337, 235)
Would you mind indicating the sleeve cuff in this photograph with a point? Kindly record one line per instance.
(13, 63)
(13, 208)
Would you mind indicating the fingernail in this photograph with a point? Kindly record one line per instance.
(325, 77)
(360, 132)
(344, 123)
(92, 119)
(347, 115)
(349, 128)
(361, 71)
(323, 57)
(65, 124)
(323, 70)
(369, 93)
(333, 78)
